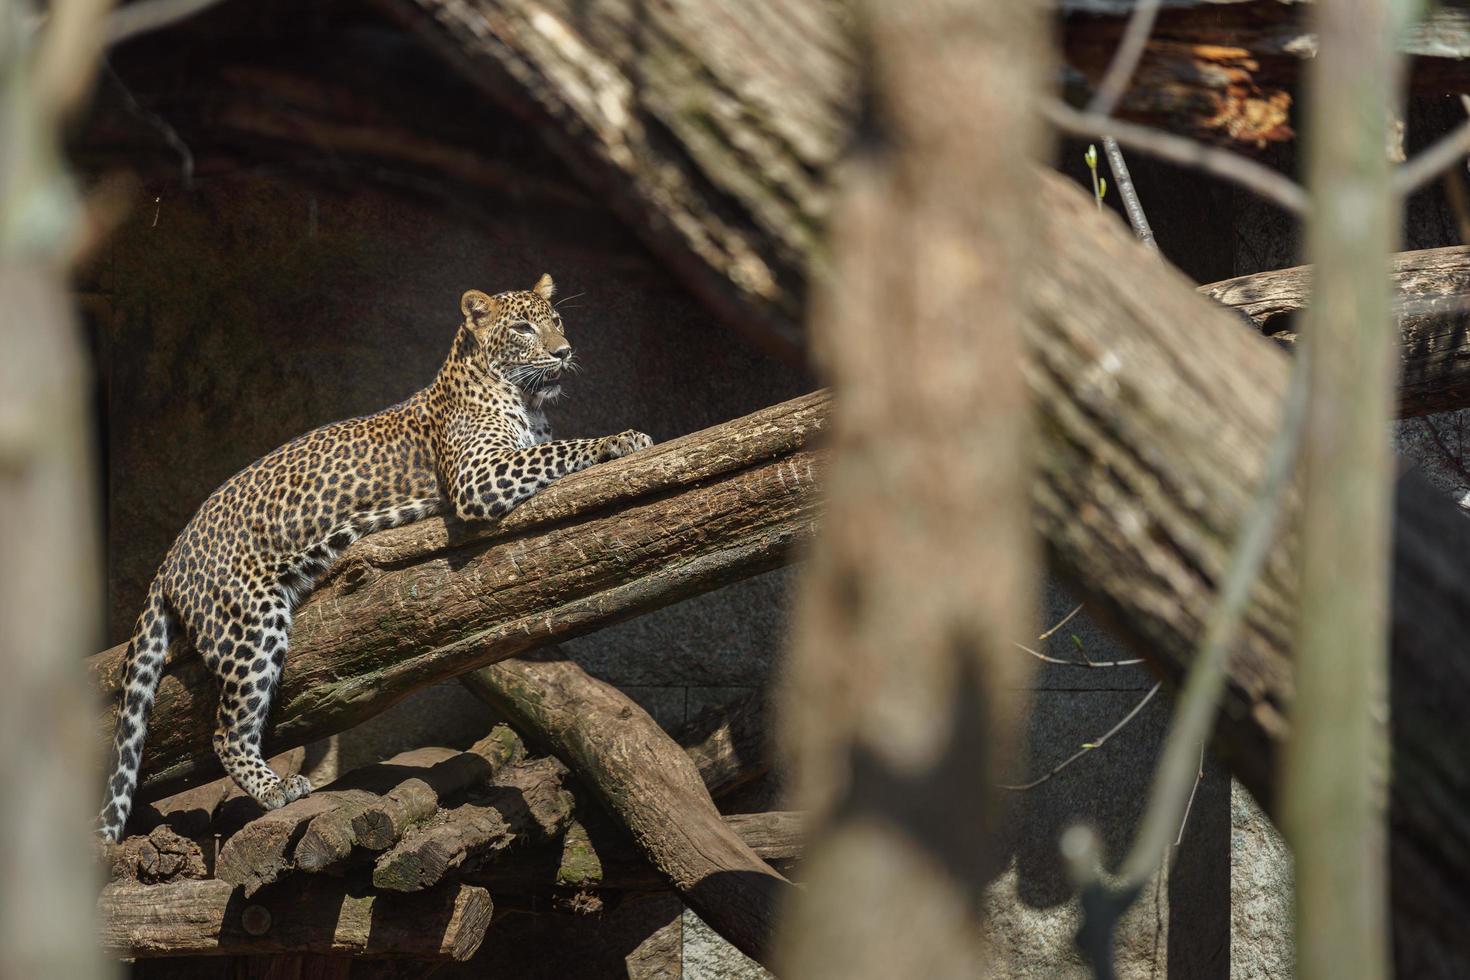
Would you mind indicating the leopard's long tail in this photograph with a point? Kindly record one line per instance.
(143, 668)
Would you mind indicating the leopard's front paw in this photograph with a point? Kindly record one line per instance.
(623, 444)
(296, 787)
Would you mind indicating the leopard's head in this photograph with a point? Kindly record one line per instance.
(519, 335)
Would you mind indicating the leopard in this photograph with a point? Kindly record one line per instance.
(474, 443)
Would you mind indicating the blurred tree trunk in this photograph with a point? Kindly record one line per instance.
(907, 692)
(1334, 794)
(49, 596)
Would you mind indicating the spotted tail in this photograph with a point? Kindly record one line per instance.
(298, 574)
(143, 668)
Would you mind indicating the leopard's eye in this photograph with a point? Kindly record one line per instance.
(522, 327)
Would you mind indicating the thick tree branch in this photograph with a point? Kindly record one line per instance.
(648, 783)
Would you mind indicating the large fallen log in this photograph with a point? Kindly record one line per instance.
(209, 917)
(1157, 407)
(649, 783)
(1154, 440)
(412, 606)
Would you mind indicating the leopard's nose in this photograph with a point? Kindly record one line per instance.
(564, 352)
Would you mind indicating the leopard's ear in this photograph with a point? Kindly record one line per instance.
(544, 287)
(477, 307)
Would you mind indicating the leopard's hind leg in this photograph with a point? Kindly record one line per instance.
(246, 654)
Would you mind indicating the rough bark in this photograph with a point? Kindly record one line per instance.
(412, 606)
(160, 855)
(648, 782)
(525, 803)
(1432, 293)
(210, 917)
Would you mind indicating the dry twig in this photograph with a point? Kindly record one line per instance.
(1087, 747)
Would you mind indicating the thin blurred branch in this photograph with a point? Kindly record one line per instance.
(1448, 151)
(1087, 747)
(1125, 59)
(1334, 787)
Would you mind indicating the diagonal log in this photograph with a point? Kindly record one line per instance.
(1154, 438)
(416, 605)
(655, 788)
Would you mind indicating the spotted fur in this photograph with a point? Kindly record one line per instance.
(475, 442)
